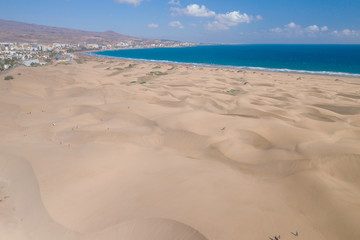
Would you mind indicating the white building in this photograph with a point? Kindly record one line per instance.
(92, 45)
(31, 61)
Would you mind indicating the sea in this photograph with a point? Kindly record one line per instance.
(339, 60)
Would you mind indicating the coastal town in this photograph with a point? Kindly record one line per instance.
(13, 54)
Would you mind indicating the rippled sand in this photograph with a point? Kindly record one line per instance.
(129, 150)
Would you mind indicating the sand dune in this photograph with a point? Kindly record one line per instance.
(123, 150)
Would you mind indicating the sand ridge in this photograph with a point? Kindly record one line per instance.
(119, 149)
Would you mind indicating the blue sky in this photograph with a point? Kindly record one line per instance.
(212, 21)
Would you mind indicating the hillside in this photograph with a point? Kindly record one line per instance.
(12, 31)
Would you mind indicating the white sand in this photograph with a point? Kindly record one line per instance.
(198, 153)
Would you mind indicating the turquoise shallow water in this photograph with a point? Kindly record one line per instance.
(316, 59)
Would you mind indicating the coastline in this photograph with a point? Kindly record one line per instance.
(115, 148)
(283, 70)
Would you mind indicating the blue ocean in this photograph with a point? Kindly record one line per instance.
(342, 60)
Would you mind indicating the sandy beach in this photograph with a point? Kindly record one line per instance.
(110, 149)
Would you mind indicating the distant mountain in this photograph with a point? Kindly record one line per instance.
(11, 31)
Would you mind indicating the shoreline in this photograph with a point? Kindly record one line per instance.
(262, 69)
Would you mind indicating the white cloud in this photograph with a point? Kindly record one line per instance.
(233, 18)
(176, 24)
(277, 30)
(324, 28)
(215, 25)
(194, 10)
(220, 22)
(292, 25)
(294, 30)
(134, 2)
(230, 19)
(153, 25)
(346, 32)
(313, 28)
(174, 2)
(291, 29)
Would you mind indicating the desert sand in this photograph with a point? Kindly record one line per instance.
(110, 149)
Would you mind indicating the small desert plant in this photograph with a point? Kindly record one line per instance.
(233, 91)
(80, 60)
(131, 65)
(8, 77)
(230, 91)
(172, 68)
(158, 73)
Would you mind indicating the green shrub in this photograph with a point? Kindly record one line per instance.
(158, 73)
(8, 77)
